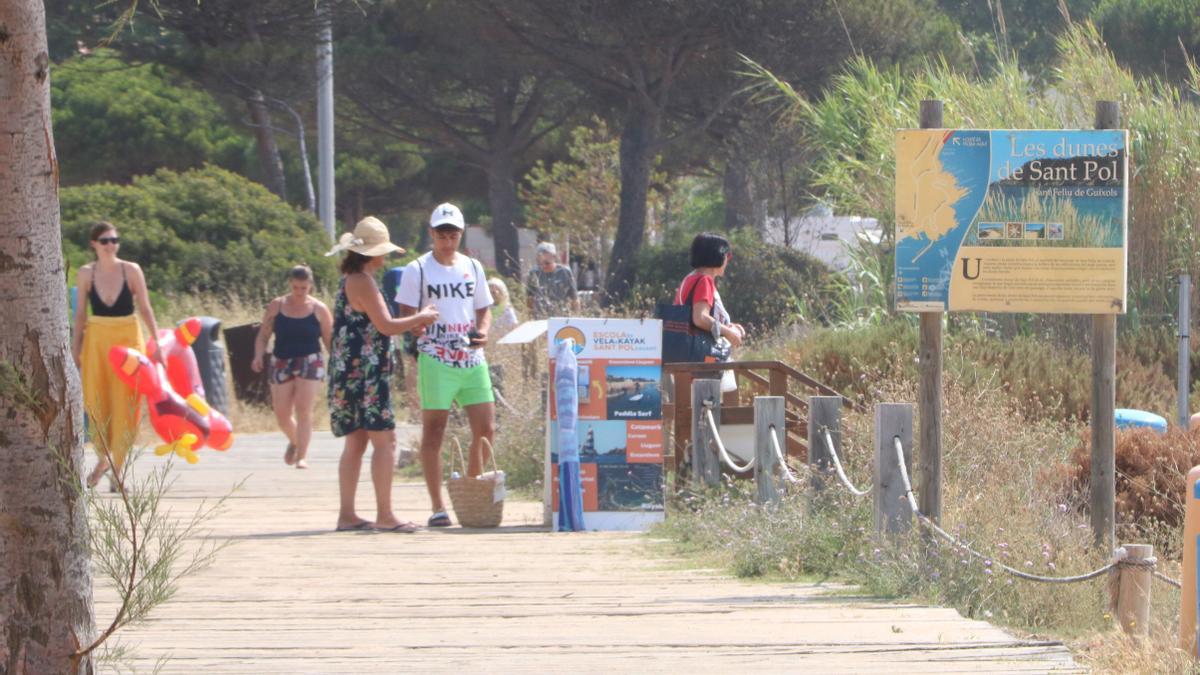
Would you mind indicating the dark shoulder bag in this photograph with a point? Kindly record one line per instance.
(684, 341)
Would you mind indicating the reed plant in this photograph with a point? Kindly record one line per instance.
(850, 132)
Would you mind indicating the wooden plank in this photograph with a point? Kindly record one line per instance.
(538, 602)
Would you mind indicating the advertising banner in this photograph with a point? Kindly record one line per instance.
(620, 432)
(1011, 221)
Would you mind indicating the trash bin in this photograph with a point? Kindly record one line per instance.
(248, 386)
(210, 360)
(1127, 418)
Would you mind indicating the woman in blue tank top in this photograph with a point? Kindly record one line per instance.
(300, 323)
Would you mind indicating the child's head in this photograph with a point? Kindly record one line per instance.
(499, 290)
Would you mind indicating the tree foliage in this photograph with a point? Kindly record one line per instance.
(1152, 36)
(206, 231)
(114, 120)
(580, 198)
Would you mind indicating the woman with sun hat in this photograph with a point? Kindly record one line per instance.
(360, 368)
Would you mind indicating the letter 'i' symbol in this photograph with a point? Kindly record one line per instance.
(967, 268)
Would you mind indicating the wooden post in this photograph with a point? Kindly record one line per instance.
(706, 464)
(1183, 409)
(768, 413)
(893, 514)
(1191, 553)
(824, 412)
(682, 430)
(930, 394)
(1104, 395)
(1133, 596)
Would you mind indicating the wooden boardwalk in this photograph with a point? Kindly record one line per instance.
(291, 596)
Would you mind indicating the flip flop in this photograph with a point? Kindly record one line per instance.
(360, 526)
(301, 464)
(440, 519)
(402, 528)
(289, 455)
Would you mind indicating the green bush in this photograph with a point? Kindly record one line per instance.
(206, 231)
(764, 287)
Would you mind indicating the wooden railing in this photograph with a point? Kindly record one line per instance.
(754, 378)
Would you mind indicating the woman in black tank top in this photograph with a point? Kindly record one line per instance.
(300, 323)
(116, 291)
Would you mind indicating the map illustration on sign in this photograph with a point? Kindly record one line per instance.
(1011, 221)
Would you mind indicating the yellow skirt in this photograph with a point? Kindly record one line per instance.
(114, 410)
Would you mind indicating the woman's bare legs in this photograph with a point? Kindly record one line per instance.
(349, 468)
(304, 394)
(383, 468)
(283, 398)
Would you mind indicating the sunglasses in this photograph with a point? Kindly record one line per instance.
(108, 240)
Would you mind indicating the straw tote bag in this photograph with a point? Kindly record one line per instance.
(478, 501)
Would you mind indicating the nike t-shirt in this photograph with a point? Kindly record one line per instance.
(458, 291)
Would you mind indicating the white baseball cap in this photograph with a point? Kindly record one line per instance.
(447, 214)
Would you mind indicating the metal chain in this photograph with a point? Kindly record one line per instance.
(716, 438)
(924, 520)
(779, 456)
(837, 464)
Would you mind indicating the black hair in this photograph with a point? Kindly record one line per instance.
(300, 273)
(354, 262)
(709, 250)
(447, 227)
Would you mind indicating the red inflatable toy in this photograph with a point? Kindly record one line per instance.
(184, 424)
(176, 346)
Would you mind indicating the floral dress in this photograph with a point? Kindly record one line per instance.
(360, 368)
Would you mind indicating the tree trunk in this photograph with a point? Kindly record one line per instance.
(738, 190)
(264, 142)
(638, 141)
(45, 577)
(505, 208)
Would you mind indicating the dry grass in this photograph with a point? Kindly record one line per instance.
(997, 497)
(1115, 652)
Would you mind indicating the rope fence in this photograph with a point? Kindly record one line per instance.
(1119, 559)
(837, 465)
(715, 437)
(781, 458)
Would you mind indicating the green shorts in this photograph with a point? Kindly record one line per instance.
(440, 384)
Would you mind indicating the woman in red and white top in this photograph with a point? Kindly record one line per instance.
(710, 256)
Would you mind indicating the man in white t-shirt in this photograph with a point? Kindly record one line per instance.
(450, 363)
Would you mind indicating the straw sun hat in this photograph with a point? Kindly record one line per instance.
(370, 238)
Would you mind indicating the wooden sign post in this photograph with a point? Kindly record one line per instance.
(1104, 395)
(929, 492)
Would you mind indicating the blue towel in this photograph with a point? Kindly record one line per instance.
(570, 497)
(566, 400)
